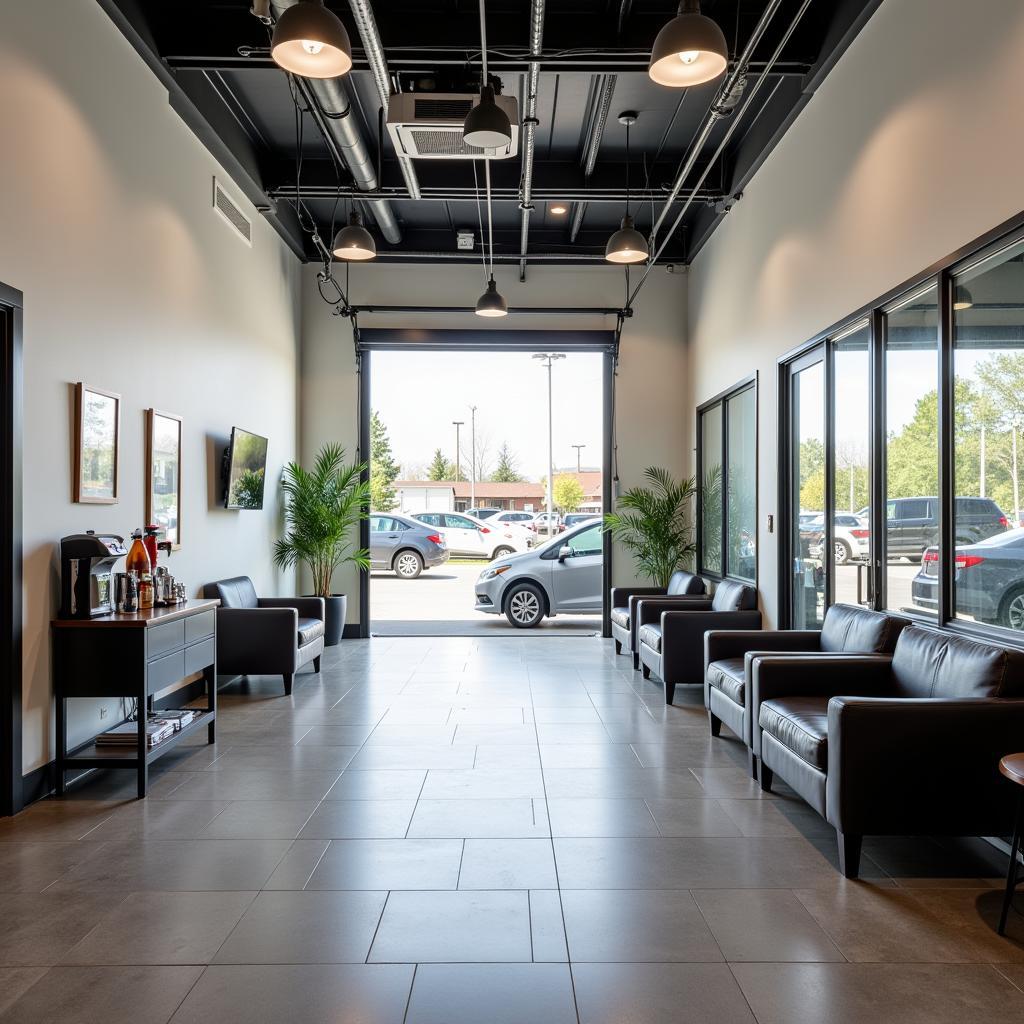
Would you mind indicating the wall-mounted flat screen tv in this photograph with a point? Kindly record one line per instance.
(245, 470)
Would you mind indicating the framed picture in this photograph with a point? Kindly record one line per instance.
(97, 433)
(163, 474)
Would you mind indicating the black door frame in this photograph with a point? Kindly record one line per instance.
(11, 405)
(446, 340)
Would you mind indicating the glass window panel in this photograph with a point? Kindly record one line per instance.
(808, 482)
(851, 398)
(912, 454)
(988, 440)
(741, 481)
(711, 490)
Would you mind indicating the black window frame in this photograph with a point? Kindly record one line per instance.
(722, 400)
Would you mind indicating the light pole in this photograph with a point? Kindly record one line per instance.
(456, 424)
(578, 448)
(548, 358)
(472, 457)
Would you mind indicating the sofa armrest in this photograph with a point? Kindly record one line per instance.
(720, 644)
(307, 607)
(257, 640)
(682, 639)
(650, 609)
(620, 595)
(897, 764)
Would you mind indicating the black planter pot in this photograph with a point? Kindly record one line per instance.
(335, 608)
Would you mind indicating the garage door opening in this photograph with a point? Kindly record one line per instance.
(487, 470)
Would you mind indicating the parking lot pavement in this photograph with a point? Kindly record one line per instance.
(441, 600)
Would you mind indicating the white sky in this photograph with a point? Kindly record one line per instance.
(419, 394)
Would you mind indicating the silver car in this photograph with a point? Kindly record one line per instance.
(564, 575)
(404, 545)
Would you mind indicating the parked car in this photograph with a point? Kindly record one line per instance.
(564, 575)
(404, 546)
(467, 537)
(522, 519)
(912, 524)
(575, 518)
(482, 513)
(988, 580)
(851, 539)
(811, 525)
(541, 524)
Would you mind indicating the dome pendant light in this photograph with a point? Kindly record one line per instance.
(690, 50)
(354, 242)
(627, 245)
(962, 298)
(310, 41)
(492, 302)
(487, 126)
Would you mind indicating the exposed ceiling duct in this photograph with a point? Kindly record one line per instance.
(529, 128)
(602, 104)
(332, 96)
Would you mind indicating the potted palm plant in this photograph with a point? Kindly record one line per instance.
(323, 509)
(655, 525)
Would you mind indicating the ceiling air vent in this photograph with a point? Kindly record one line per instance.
(231, 214)
(428, 126)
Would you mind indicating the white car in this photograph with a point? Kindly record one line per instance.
(851, 538)
(468, 537)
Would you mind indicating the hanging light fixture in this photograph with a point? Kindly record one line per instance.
(354, 242)
(492, 302)
(486, 126)
(627, 245)
(962, 298)
(310, 41)
(690, 50)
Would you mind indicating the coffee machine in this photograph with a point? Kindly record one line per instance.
(86, 573)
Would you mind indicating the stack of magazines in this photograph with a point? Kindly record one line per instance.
(160, 726)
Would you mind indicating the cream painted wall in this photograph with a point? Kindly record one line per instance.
(654, 426)
(912, 147)
(132, 284)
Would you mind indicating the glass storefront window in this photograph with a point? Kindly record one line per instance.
(807, 441)
(711, 490)
(741, 479)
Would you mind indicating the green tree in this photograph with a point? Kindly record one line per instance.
(383, 467)
(506, 472)
(439, 468)
(567, 493)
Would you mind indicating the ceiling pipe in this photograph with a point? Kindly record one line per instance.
(529, 128)
(340, 126)
(606, 89)
(374, 50)
(723, 142)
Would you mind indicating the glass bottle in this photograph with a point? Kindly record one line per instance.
(138, 557)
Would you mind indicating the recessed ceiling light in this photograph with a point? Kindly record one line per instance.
(310, 41)
(558, 209)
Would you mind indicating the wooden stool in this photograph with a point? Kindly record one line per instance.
(1012, 766)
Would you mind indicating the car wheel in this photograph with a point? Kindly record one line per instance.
(1011, 611)
(408, 565)
(502, 552)
(842, 552)
(524, 605)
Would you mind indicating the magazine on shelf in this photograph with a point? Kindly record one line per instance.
(127, 734)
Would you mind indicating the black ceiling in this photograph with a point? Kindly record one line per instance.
(213, 56)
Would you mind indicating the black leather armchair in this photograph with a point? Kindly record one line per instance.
(670, 634)
(847, 629)
(265, 635)
(907, 744)
(624, 601)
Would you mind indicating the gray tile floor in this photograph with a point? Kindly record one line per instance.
(481, 831)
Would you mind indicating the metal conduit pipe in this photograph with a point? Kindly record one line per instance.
(737, 118)
(339, 122)
(716, 111)
(529, 128)
(606, 89)
(374, 50)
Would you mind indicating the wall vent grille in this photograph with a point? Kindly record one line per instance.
(231, 214)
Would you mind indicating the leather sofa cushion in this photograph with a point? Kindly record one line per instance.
(309, 630)
(650, 634)
(800, 724)
(682, 582)
(728, 676)
(734, 597)
(851, 629)
(237, 592)
(620, 616)
(928, 663)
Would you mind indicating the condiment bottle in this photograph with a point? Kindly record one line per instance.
(151, 545)
(138, 558)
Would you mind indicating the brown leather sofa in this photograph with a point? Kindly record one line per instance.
(265, 635)
(906, 744)
(670, 633)
(847, 629)
(624, 601)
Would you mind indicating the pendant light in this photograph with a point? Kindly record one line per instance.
(354, 242)
(310, 41)
(486, 125)
(627, 245)
(690, 50)
(962, 298)
(492, 302)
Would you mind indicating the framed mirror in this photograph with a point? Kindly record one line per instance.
(97, 433)
(163, 474)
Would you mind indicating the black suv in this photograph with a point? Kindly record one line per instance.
(912, 524)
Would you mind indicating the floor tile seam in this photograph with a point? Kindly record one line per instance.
(376, 929)
(309, 877)
(462, 857)
(408, 998)
(416, 804)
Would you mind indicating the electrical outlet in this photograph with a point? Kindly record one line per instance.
(103, 712)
